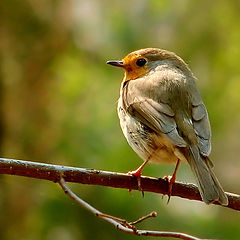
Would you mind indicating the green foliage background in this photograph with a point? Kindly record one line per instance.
(58, 105)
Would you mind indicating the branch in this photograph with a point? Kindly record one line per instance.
(122, 224)
(104, 178)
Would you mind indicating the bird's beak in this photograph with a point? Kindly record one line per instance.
(115, 63)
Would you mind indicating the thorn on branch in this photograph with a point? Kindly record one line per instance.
(54, 173)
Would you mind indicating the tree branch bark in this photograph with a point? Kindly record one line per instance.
(104, 178)
(122, 224)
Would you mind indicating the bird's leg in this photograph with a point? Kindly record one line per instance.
(171, 180)
(138, 172)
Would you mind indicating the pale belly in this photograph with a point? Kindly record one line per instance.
(146, 143)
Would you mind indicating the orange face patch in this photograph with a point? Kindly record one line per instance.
(133, 71)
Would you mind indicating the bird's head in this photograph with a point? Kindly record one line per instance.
(141, 62)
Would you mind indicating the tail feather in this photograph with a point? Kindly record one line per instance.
(209, 186)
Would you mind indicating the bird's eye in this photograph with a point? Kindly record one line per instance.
(141, 62)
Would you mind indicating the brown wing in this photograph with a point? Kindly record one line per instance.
(202, 128)
(157, 116)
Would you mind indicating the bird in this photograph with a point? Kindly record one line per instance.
(164, 119)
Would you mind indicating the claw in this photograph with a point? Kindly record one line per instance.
(137, 173)
(171, 181)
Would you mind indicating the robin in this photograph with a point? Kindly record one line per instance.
(164, 119)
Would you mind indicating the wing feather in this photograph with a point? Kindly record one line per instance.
(202, 128)
(157, 116)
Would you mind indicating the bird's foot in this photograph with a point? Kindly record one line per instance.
(171, 180)
(137, 173)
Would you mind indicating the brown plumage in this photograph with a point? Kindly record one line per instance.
(164, 118)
